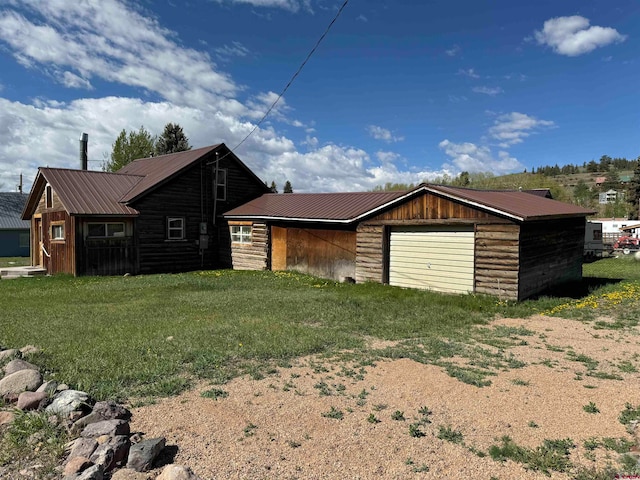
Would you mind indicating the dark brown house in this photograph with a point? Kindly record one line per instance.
(159, 214)
(511, 244)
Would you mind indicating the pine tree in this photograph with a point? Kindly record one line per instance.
(633, 193)
(287, 187)
(172, 140)
(273, 187)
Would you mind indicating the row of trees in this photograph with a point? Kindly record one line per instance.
(141, 144)
(605, 164)
(286, 189)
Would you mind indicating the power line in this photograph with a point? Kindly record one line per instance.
(310, 54)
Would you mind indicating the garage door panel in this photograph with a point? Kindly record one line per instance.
(440, 259)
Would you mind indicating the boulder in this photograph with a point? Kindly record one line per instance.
(30, 400)
(29, 350)
(177, 472)
(110, 410)
(106, 427)
(6, 417)
(67, 401)
(20, 381)
(9, 354)
(76, 465)
(83, 447)
(16, 365)
(48, 387)
(112, 453)
(143, 454)
(95, 472)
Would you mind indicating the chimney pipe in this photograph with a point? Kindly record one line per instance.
(84, 159)
(20, 184)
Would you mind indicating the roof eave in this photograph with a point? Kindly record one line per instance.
(290, 219)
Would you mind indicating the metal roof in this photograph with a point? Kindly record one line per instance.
(11, 206)
(322, 207)
(86, 192)
(156, 170)
(350, 207)
(522, 206)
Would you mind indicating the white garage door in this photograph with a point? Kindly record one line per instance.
(433, 258)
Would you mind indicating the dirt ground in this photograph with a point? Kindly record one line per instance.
(282, 426)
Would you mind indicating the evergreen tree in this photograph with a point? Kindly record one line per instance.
(273, 187)
(128, 147)
(612, 181)
(582, 194)
(633, 193)
(287, 187)
(172, 140)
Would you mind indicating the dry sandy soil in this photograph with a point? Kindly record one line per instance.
(274, 428)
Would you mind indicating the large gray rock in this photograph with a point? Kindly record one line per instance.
(29, 350)
(48, 387)
(83, 447)
(111, 453)
(30, 400)
(106, 427)
(95, 472)
(143, 454)
(177, 472)
(9, 354)
(76, 465)
(110, 410)
(20, 381)
(17, 364)
(67, 401)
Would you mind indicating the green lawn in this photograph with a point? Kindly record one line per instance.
(14, 261)
(120, 337)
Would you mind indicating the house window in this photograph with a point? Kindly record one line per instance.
(48, 195)
(241, 233)
(24, 240)
(57, 231)
(105, 230)
(175, 228)
(220, 184)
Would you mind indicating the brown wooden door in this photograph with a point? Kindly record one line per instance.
(37, 243)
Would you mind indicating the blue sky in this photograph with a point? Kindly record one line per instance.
(401, 91)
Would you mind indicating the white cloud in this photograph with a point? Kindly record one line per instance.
(362, 18)
(235, 49)
(470, 72)
(474, 158)
(383, 134)
(513, 127)
(291, 5)
(72, 80)
(491, 91)
(572, 36)
(453, 51)
(457, 98)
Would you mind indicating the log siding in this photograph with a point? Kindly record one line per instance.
(371, 246)
(497, 260)
(254, 255)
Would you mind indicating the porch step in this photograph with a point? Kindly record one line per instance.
(17, 272)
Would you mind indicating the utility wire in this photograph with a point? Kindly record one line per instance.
(315, 47)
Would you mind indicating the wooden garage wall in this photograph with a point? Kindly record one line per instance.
(497, 260)
(550, 254)
(371, 245)
(254, 255)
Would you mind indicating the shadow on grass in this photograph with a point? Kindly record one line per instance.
(577, 290)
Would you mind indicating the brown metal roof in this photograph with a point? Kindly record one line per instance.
(517, 205)
(156, 170)
(322, 207)
(86, 192)
(350, 207)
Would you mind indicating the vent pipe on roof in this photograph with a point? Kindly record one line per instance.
(20, 184)
(84, 159)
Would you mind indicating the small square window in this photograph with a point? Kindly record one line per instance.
(175, 228)
(241, 233)
(57, 232)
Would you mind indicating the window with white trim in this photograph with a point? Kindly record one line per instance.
(175, 228)
(220, 184)
(48, 196)
(241, 233)
(105, 230)
(57, 231)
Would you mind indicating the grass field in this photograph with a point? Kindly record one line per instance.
(146, 336)
(14, 261)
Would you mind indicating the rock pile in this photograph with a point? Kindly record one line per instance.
(104, 446)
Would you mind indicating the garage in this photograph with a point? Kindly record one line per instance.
(432, 258)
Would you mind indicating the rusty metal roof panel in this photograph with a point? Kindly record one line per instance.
(156, 170)
(86, 192)
(522, 206)
(321, 207)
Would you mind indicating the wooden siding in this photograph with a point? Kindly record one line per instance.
(106, 256)
(550, 255)
(322, 252)
(432, 207)
(62, 253)
(278, 248)
(498, 260)
(432, 258)
(254, 255)
(370, 253)
(190, 196)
